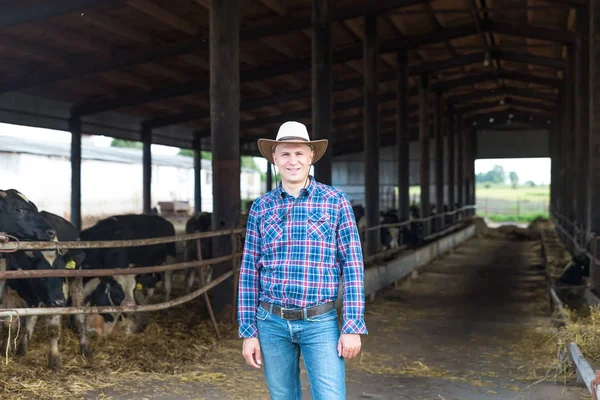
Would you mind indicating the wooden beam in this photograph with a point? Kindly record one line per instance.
(164, 16)
(278, 6)
(529, 31)
(198, 44)
(117, 27)
(502, 91)
(322, 95)
(22, 13)
(487, 76)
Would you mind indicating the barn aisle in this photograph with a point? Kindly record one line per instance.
(473, 325)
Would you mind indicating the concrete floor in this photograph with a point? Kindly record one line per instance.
(472, 325)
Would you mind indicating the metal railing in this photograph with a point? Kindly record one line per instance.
(579, 239)
(427, 235)
(584, 370)
(7, 246)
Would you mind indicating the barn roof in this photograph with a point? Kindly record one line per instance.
(9, 144)
(123, 63)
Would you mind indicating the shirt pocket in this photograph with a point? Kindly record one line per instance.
(272, 230)
(318, 226)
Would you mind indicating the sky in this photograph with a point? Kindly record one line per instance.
(534, 169)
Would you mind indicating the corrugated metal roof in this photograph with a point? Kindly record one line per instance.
(9, 144)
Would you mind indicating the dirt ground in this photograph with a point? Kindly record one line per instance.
(472, 325)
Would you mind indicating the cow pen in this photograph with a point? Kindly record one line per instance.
(8, 245)
(569, 353)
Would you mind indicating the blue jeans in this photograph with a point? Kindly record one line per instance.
(282, 342)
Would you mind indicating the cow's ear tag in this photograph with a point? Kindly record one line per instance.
(139, 286)
(70, 264)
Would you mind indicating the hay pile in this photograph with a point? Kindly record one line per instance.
(557, 257)
(170, 351)
(584, 331)
(506, 232)
(541, 223)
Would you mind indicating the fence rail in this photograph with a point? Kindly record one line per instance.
(11, 244)
(585, 372)
(520, 207)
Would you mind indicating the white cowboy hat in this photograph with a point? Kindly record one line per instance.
(292, 132)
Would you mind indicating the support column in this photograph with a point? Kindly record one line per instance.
(147, 169)
(371, 134)
(451, 161)
(471, 168)
(594, 147)
(582, 111)
(269, 177)
(197, 173)
(424, 144)
(75, 128)
(225, 138)
(460, 176)
(403, 136)
(571, 125)
(321, 85)
(439, 160)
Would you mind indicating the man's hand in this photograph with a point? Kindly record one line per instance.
(251, 352)
(348, 345)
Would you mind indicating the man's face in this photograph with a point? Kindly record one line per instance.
(293, 161)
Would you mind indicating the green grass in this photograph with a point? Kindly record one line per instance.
(504, 192)
(514, 218)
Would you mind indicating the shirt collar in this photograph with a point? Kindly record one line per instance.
(308, 191)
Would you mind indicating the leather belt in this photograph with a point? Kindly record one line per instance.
(297, 313)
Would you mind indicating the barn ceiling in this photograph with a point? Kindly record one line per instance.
(150, 59)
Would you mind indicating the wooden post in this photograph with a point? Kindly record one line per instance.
(75, 128)
(147, 169)
(460, 165)
(269, 177)
(403, 136)
(321, 85)
(225, 137)
(197, 173)
(371, 132)
(451, 162)
(582, 138)
(424, 144)
(594, 140)
(439, 161)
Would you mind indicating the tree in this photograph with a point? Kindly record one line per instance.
(131, 144)
(514, 179)
(496, 175)
(530, 184)
(206, 155)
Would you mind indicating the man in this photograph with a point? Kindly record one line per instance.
(300, 237)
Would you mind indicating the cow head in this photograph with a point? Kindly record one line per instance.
(51, 291)
(19, 217)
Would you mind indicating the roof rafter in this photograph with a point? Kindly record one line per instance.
(26, 13)
(201, 85)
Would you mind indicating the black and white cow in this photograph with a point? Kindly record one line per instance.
(200, 222)
(41, 292)
(19, 217)
(388, 236)
(576, 270)
(131, 227)
(67, 232)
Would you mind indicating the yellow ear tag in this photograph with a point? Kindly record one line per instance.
(139, 286)
(70, 264)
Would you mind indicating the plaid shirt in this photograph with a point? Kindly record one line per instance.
(294, 254)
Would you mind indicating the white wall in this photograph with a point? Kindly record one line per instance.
(108, 188)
